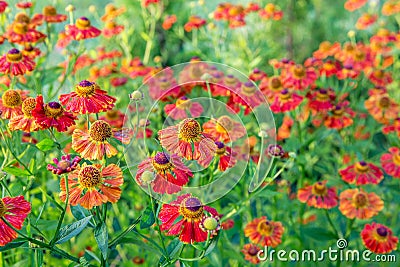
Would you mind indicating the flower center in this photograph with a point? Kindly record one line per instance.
(189, 130)
(89, 177)
(22, 18)
(360, 55)
(322, 95)
(195, 72)
(299, 71)
(252, 251)
(224, 124)
(338, 111)
(28, 105)
(64, 164)
(20, 28)
(82, 23)
(284, 95)
(161, 162)
(100, 131)
(379, 74)
(191, 209)
(164, 83)
(319, 189)
(49, 11)
(53, 109)
(11, 99)
(382, 231)
(14, 56)
(349, 48)
(183, 103)
(362, 167)
(396, 158)
(276, 84)
(110, 25)
(220, 148)
(248, 88)
(265, 228)
(230, 80)
(360, 200)
(384, 102)
(85, 88)
(3, 208)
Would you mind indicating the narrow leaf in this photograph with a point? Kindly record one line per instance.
(45, 145)
(147, 218)
(71, 230)
(101, 236)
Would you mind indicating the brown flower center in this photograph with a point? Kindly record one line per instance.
(349, 48)
(28, 105)
(230, 80)
(253, 250)
(14, 56)
(224, 124)
(22, 18)
(362, 167)
(275, 84)
(110, 25)
(112, 115)
(53, 109)
(189, 130)
(191, 209)
(384, 102)
(248, 88)
(100, 131)
(319, 189)
(265, 228)
(379, 74)
(360, 55)
(20, 28)
(285, 95)
(382, 231)
(3, 208)
(85, 88)
(221, 149)
(164, 83)
(89, 177)
(360, 200)
(49, 11)
(322, 95)
(11, 99)
(299, 71)
(82, 23)
(338, 111)
(161, 162)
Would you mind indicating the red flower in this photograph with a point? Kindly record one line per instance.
(365, 21)
(168, 22)
(30, 51)
(225, 155)
(183, 108)
(250, 252)
(87, 98)
(25, 122)
(391, 162)
(300, 77)
(270, 11)
(194, 22)
(14, 211)
(339, 119)
(393, 127)
(180, 139)
(52, 115)
(82, 30)
(264, 232)
(170, 173)
(49, 15)
(3, 6)
(362, 173)
(382, 108)
(183, 217)
(379, 238)
(21, 33)
(224, 129)
(63, 40)
(24, 5)
(271, 87)
(15, 64)
(318, 195)
(111, 29)
(286, 101)
(352, 5)
(321, 100)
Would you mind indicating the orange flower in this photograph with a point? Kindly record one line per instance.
(300, 77)
(93, 144)
(352, 5)
(271, 11)
(340, 117)
(326, 49)
(365, 21)
(224, 129)
(21, 32)
(264, 232)
(391, 7)
(168, 22)
(284, 129)
(250, 252)
(382, 108)
(111, 29)
(111, 12)
(11, 103)
(286, 101)
(92, 185)
(82, 30)
(391, 162)
(362, 173)
(25, 122)
(379, 238)
(194, 22)
(318, 195)
(49, 15)
(355, 203)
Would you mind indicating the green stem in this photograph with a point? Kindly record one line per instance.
(125, 232)
(331, 223)
(62, 213)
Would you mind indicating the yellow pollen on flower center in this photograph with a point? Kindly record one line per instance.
(49, 11)
(85, 91)
(82, 24)
(349, 48)
(89, 177)
(3, 208)
(191, 209)
(384, 102)
(338, 112)
(11, 99)
(319, 189)
(189, 130)
(22, 18)
(14, 58)
(220, 151)
(100, 131)
(110, 25)
(322, 96)
(28, 105)
(224, 124)
(396, 159)
(183, 103)
(361, 167)
(20, 28)
(360, 55)
(53, 112)
(299, 71)
(265, 228)
(285, 96)
(248, 89)
(360, 200)
(112, 114)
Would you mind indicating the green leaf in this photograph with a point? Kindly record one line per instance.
(15, 244)
(79, 213)
(71, 230)
(45, 145)
(212, 245)
(147, 218)
(101, 236)
(133, 238)
(172, 249)
(16, 171)
(318, 233)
